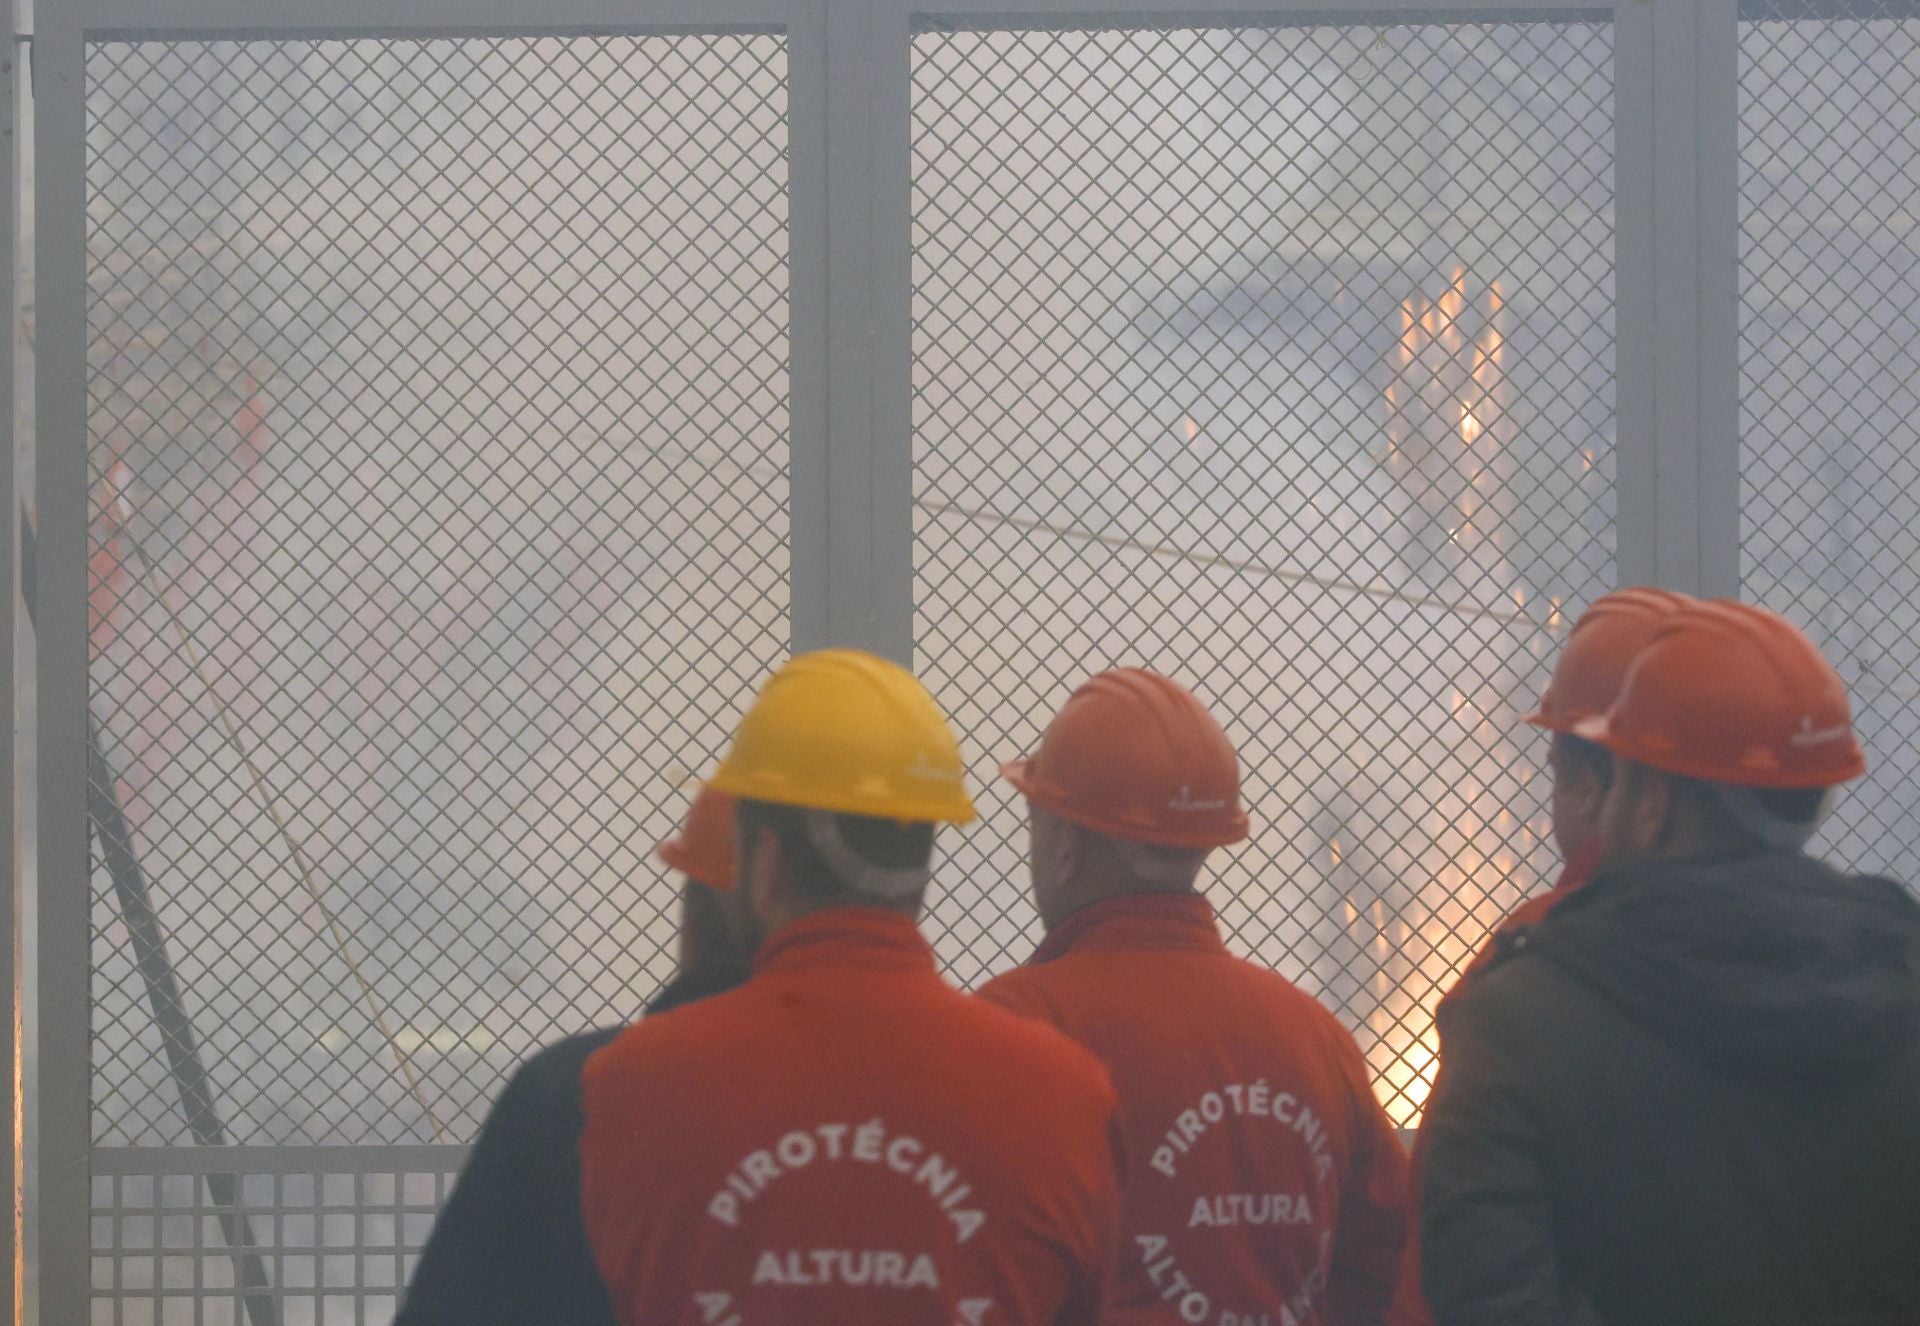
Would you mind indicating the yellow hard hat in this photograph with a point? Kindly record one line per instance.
(846, 731)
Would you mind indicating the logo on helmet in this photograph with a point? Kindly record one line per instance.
(1187, 805)
(1808, 736)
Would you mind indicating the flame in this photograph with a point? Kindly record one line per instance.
(1587, 458)
(1334, 848)
(1421, 1060)
(1486, 356)
(1553, 616)
(1470, 427)
(1193, 429)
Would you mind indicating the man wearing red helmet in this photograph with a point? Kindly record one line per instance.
(1688, 1095)
(1265, 1185)
(510, 1247)
(1586, 680)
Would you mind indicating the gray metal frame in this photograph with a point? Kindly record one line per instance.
(9, 542)
(851, 459)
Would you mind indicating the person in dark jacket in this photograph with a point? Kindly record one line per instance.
(1691, 1093)
(510, 1247)
(1586, 681)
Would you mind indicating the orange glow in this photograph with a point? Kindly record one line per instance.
(1193, 429)
(1470, 427)
(1334, 848)
(1421, 1062)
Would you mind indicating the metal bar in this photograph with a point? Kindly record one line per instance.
(418, 1157)
(1211, 13)
(1716, 182)
(60, 668)
(1678, 368)
(1829, 10)
(176, 1028)
(850, 331)
(238, 18)
(1238, 565)
(10, 1242)
(809, 203)
(1636, 457)
(888, 94)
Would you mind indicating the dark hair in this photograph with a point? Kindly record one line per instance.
(1592, 757)
(708, 938)
(1797, 804)
(885, 844)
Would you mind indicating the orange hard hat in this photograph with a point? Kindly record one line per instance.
(1606, 639)
(703, 849)
(1731, 693)
(1134, 755)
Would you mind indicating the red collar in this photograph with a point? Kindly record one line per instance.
(1134, 920)
(846, 937)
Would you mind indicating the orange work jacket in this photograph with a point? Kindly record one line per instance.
(1410, 1300)
(845, 1139)
(1264, 1185)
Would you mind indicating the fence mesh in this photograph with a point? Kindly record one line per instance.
(1280, 360)
(438, 427)
(321, 1248)
(1830, 379)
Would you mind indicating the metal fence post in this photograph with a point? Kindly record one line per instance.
(1678, 371)
(868, 309)
(60, 590)
(9, 534)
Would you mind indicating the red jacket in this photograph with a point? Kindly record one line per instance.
(1264, 1185)
(844, 1139)
(1409, 1300)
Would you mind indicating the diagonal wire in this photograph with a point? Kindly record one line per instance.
(336, 933)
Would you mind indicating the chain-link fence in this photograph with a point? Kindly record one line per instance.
(1830, 378)
(438, 425)
(1280, 360)
(438, 418)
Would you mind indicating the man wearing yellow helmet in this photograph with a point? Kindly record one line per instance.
(845, 1139)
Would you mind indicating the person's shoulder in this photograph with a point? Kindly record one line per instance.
(563, 1058)
(1275, 993)
(1506, 993)
(553, 1070)
(1028, 990)
(681, 1035)
(1021, 1043)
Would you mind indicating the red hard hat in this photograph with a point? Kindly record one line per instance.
(1731, 693)
(1606, 639)
(1132, 754)
(703, 850)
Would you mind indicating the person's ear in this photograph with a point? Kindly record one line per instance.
(1638, 810)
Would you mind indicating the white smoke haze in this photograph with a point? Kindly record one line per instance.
(438, 418)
